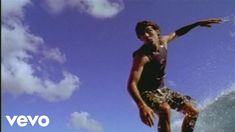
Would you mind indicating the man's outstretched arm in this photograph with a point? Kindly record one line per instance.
(183, 30)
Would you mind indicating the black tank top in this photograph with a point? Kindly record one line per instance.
(153, 73)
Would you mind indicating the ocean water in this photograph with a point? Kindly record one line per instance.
(219, 115)
(216, 115)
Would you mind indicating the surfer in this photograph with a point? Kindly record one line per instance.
(146, 80)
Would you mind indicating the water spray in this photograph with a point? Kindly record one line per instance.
(229, 18)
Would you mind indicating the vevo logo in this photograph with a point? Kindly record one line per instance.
(23, 121)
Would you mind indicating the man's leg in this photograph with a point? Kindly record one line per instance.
(164, 118)
(191, 114)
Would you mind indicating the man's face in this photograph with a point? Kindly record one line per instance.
(150, 35)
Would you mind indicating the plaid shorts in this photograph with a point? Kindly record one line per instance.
(156, 97)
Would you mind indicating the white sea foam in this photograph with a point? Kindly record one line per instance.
(216, 115)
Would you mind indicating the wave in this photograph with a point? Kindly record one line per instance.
(217, 115)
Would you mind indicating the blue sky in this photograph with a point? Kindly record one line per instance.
(70, 60)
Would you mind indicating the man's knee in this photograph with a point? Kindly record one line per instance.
(164, 108)
(195, 112)
(190, 110)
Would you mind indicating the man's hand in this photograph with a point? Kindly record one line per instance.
(209, 22)
(147, 115)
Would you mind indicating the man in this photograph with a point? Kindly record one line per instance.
(146, 80)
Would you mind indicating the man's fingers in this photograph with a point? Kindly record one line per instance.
(214, 20)
(147, 116)
(209, 22)
(153, 114)
(151, 117)
(217, 21)
(151, 122)
(148, 120)
(207, 25)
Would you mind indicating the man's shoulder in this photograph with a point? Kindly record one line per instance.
(141, 59)
(136, 53)
(144, 50)
(166, 39)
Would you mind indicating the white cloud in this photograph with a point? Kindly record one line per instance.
(13, 7)
(56, 6)
(19, 46)
(55, 54)
(82, 120)
(95, 8)
(59, 91)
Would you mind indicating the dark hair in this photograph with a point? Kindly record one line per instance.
(140, 27)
